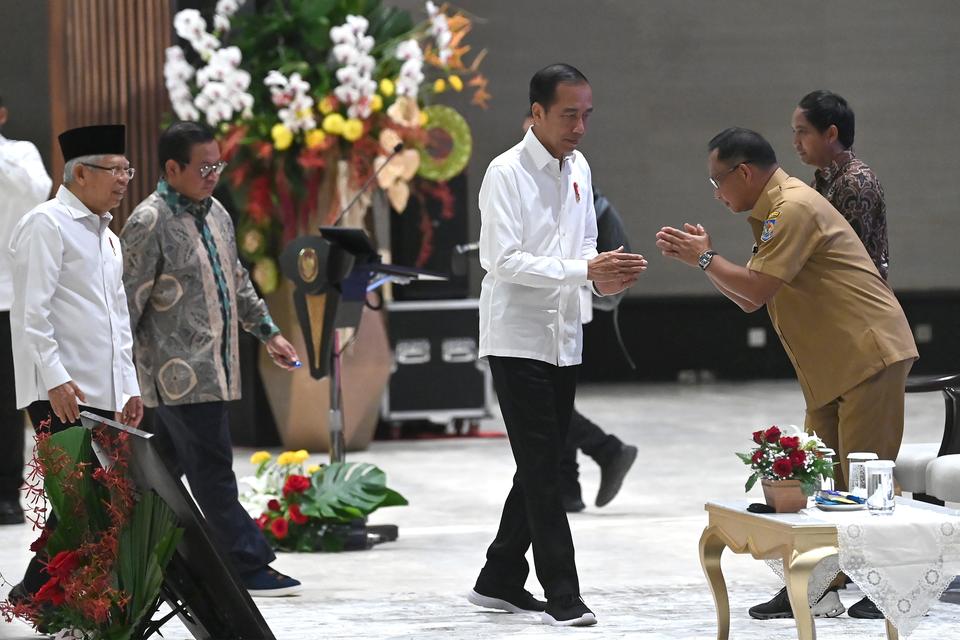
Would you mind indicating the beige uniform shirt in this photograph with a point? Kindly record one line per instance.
(838, 320)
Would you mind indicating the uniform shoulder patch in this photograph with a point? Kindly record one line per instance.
(769, 226)
(773, 215)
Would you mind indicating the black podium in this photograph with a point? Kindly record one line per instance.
(332, 274)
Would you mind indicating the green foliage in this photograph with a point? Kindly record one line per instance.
(344, 491)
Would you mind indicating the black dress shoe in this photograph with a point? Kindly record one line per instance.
(613, 472)
(10, 512)
(865, 609)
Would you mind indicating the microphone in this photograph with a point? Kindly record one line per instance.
(396, 149)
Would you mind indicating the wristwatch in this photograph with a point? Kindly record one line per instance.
(705, 258)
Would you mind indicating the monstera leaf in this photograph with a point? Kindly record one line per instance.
(348, 490)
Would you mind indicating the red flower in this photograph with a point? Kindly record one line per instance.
(758, 436)
(295, 484)
(296, 515)
(790, 442)
(772, 434)
(262, 520)
(279, 528)
(798, 457)
(782, 467)
(274, 505)
(63, 564)
(757, 456)
(41, 542)
(51, 592)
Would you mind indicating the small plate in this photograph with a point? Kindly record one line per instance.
(841, 507)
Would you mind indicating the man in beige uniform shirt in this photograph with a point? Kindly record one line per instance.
(838, 320)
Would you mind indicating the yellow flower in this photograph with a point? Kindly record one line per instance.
(439, 85)
(252, 242)
(300, 456)
(315, 138)
(333, 123)
(424, 118)
(260, 457)
(387, 87)
(265, 274)
(376, 104)
(282, 137)
(286, 459)
(327, 105)
(455, 82)
(312, 469)
(352, 130)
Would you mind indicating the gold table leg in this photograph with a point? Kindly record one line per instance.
(797, 577)
(891, 631)
(711, 547)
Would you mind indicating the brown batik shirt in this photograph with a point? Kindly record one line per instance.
(853, 190)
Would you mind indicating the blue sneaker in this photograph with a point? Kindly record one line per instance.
(270, 583)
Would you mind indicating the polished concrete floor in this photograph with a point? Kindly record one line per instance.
(637, 557)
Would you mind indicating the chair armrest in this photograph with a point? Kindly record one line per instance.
(925, 384)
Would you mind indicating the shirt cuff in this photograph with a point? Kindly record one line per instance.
(576, 272)
(131, 386)
(266, 328)
(596, 291)
(53, 376)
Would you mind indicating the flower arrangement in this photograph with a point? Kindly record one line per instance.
(106, 555)
(298, 85)
(310, 508)
(794, 455)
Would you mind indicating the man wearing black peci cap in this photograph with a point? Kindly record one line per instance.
(72, 347)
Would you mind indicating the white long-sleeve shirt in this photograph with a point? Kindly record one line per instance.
(24, 183)
(538, 230)
(69, 319)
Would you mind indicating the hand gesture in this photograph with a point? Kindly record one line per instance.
(63, 401)
(616, 266)
(685, 246)
(132, 412)
(283, 353)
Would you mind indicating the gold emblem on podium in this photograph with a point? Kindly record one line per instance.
(308, 264)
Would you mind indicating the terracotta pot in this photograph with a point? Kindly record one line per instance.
(785, 496)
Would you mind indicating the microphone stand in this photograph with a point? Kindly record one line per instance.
(393, 154)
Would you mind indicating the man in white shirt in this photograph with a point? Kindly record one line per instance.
(24, 183)
(538, 245)
(72, 346)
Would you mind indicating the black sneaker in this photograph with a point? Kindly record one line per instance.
(568, 611)
(613, 473)
(828, 606)
(865, 609)
(511, 601)
(270, 583)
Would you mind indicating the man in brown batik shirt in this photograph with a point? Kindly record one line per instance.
(823, 131)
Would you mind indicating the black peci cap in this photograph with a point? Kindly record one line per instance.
(96, 140)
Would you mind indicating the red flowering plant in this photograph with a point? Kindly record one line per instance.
(794, 455)
(105, 556)
(310, 508)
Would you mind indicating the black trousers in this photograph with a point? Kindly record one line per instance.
(194, 440)
(36, 574)
(11, 420)
(593, 441)
(536, 400)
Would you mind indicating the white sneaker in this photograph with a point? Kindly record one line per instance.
(828, 606)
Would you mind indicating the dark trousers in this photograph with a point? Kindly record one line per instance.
(36, 574)
(194, 439)
(536, 400)
(11, 420)
(593, 441)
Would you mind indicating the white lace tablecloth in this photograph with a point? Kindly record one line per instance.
(903, 562)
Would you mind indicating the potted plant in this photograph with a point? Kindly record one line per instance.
(790, 466)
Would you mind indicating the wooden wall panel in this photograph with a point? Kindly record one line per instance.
(106, 66)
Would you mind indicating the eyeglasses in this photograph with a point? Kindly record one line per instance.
(116, 172)
(215, 168)
(716, 180)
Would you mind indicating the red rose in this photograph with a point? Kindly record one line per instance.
(274, 505)
(757, 455)
(51, 592)
(798, 457)
(296, 515)
(279, 528)
(262, 520)
(63, 564)
(782, 467)
(772, 434)
(295, 484)
(758, 436)
(790, 442)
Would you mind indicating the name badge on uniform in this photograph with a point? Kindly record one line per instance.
(769, 226)
(576, 191)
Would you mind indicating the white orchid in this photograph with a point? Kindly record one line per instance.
(177, 72)
(351, 50)
(292, 96)
(191, 26)
(440, 30)
(411, 72)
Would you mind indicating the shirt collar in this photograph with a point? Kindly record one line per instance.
(75, 206)
(180, 203)
(769, 195)
(538, 153)
(836, 166)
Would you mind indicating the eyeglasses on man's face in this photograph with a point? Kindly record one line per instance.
(116, 172)
(716, 180)
(216, 168)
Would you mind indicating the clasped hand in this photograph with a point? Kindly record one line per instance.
(685, 246)
(614, 271)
